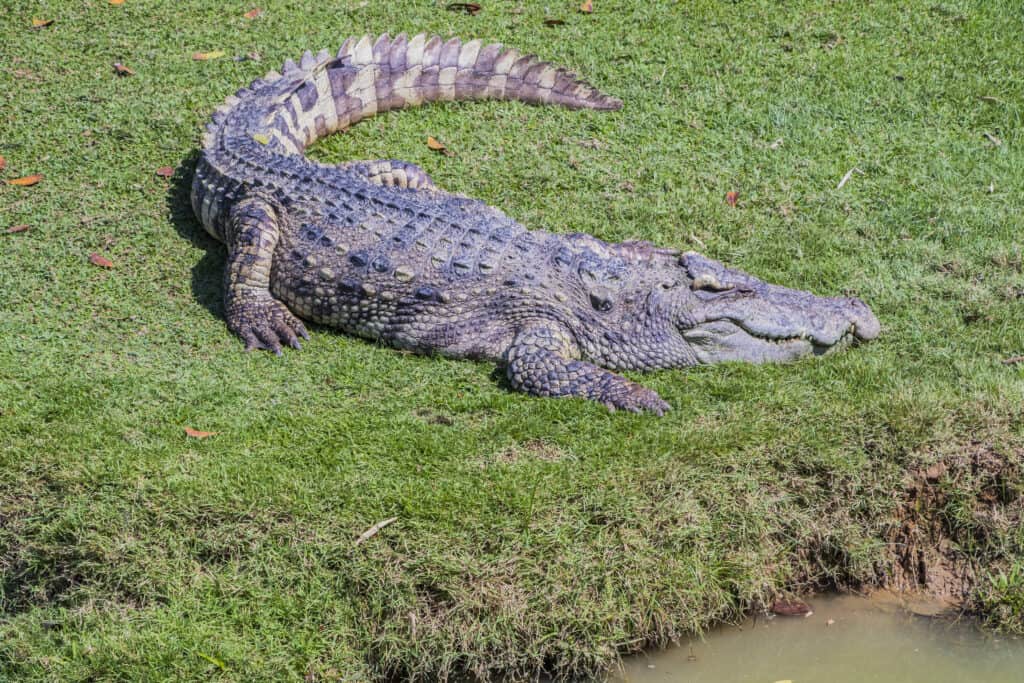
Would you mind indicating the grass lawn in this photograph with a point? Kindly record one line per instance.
(531, 534)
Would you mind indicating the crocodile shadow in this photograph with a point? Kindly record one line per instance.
(208, 272)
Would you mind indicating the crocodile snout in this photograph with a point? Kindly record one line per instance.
(865, 325)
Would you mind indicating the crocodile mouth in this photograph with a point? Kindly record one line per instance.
(724, 340)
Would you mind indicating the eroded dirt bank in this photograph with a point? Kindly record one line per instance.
(956, 527)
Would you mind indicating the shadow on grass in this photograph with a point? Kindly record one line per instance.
(208, 272)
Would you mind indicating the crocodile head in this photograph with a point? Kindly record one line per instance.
(727, 315)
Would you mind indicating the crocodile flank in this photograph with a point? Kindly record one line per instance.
(375, 248)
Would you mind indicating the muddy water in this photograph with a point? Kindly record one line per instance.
(846, 640)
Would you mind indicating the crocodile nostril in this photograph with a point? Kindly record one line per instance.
(601, 300)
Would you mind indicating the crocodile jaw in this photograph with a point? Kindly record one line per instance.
(732, 316)
(723, 340)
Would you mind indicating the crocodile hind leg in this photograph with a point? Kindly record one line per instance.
(392, 173)
(541, 362)
(252, 312)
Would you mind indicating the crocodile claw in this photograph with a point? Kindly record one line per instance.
(263, 322)
(638, 399)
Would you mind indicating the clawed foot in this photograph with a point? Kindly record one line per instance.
(637, 398)
(263, 322)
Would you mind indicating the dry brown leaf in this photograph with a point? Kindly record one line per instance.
(41, 23)
(791, 608)
(100, 261)
(203, 56)
(253, 13)
(587, 7)
(1012, 360)
(469, 8)
(731, 197)
(438, 146)
(26, 181)
(196, 434)
(554, 22)
(165, 171)
(121, 70)
(3, 163)
(17, 228)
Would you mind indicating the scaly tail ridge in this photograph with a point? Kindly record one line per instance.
(321, 94)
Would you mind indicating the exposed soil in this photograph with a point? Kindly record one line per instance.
(958, 502)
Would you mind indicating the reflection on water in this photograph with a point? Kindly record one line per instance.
(846, 640)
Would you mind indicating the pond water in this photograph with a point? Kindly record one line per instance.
(846, 640)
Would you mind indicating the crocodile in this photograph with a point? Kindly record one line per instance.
(377, 249)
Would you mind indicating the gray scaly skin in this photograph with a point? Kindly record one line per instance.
(376, 249)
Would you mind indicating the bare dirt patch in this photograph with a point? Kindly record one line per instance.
(962, 502)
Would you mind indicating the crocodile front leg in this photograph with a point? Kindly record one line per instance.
(543, 361)
(252, 312)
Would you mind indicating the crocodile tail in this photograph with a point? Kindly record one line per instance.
(323, 93)
(424, 69)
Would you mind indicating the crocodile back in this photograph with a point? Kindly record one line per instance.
(257, 137)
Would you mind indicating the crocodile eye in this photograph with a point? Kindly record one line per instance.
(601, 300)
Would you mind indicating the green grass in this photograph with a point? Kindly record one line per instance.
(531, 534)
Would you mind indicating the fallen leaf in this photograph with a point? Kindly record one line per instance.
(213, 660)
(438, 146)
(116, 2)
(40, 23)
(993, 139)
(17, 228)
(196, 434)
(1012, 360)
(469, 8)
(261, 138)
(587, 7)
(100, 261)
(253, 13)
(554, 22)
(990, 99)
(3, 163)
(165, 171)
(121, 70)
(731, 197)
(26, 181)
(203, 56)
(791, 608)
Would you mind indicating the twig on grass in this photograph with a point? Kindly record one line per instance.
(848, 175)
(373, 530)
